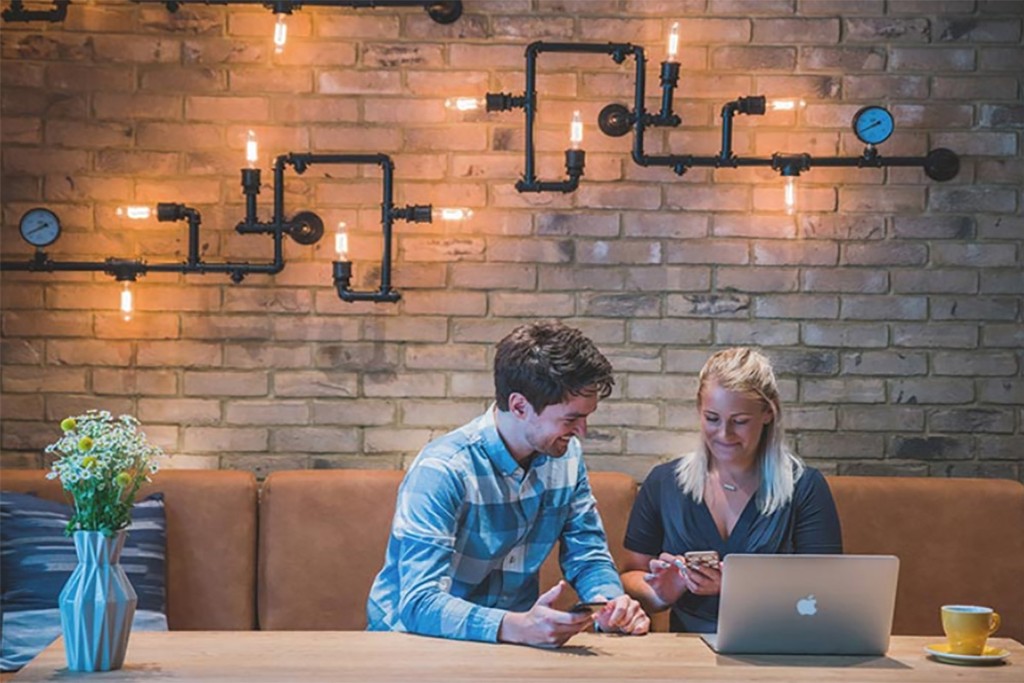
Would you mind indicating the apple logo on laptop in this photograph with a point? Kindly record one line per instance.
(807, 606)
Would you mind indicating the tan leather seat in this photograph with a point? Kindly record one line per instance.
(958, 540)
(323, 536)
(211, 542)
(322, 540)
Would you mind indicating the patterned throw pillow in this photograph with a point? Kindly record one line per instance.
(36, 559)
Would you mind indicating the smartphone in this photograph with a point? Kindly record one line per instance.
(701, 558)
(588, 606)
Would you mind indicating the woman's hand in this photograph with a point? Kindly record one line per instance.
(702, 580)
(666, 578)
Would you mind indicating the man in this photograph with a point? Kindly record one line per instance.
(482, 506)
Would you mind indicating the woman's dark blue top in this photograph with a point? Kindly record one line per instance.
(664, 519)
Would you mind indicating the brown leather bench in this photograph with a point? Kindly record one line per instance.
(960, 541)
(323, 535)
(211, 542)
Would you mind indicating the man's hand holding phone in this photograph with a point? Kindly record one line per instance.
(543, 625)
(622, 615)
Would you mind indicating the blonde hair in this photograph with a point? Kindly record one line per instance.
(746, 371)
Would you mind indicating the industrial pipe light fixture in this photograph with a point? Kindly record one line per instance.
(872, 125)
(41, 227)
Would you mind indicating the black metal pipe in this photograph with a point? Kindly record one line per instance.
(17, 12)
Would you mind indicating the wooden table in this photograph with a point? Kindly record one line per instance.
(299, 656)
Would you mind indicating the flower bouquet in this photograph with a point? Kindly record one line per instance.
(102, 463)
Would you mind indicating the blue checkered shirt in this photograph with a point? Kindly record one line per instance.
(471, 530)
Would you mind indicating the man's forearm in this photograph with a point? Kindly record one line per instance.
(644, 593)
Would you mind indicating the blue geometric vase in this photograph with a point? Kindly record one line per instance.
(97, 604)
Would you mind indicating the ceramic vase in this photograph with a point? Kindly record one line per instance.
(97, 604)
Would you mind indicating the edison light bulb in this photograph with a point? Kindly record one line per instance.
(341, 241)
(455, 214)
(251, 150)
(135, 213)
(126, 301)
(280, 34)
(576, 131)
(787, 105)
(673, 42)
(464, 103)
(789, 198)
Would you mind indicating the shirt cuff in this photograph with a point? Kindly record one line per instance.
(484, 623)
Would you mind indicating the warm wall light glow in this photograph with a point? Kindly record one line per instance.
(789, 198)
(455, 214)
(280, 34)
(464, 103)
(576, 131)
(341, 241)
(673, 42)
(126, 301)
(251, 150)
(135, 213)
(787, 105)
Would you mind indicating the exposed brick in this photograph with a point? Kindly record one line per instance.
(935, 335)
(961, 200)
(885, 363)
(356, 356)
(971, 420)
(868, 281)
(1008, 281)
(863, 335)
(881, 418)
(944, 281)
(448, 357)
(1001, 447)
(399, 385)
(842, 446)
(929, 448)
(193, 411)
(973, 30)
(211, 383)
(762, 333)
(845, 59)
(886, 30)
(975, 364)
(620, 305)
(931, 59)
(440, 414)
(798, 306)
(885, 253)
(975, 86)
(1003, 335)
(532, 305)
(355, 412)
(308, 439)
(224, 440)
(929, 390)
(1002, 390)
(975, 308)
(884, 308)
(757, 279)
(327, 383)
(991, 470)
(135, 382)
(978, 143)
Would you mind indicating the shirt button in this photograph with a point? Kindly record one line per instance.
(444, 583)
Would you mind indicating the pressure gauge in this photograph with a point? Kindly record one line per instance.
(40, 227)
(873, 124)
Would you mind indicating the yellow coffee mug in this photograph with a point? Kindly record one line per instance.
(968, 627)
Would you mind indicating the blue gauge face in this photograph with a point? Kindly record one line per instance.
(40, 227)
(873, 125)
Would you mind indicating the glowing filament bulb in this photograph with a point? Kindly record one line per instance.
(456, 214)
(576, 130)
(789, 198)
(673, 42)
(280, 34)
(251, 150)
(463, 103)
(341, 241)
(787, 105)
(126, 301)
(135, 213)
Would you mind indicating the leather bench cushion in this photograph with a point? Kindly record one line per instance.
(211, 542)
(323, 536)
(960, 541)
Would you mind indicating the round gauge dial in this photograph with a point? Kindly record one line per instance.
(873, 125)
(39, 227)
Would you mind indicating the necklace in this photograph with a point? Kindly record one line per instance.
(728, 487)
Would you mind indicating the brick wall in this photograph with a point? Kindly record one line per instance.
(891, 304)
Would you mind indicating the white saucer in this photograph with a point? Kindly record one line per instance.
(991, 655)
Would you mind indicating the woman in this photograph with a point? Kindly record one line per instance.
(741, 491)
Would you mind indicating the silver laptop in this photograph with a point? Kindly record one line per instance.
(806, 604)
